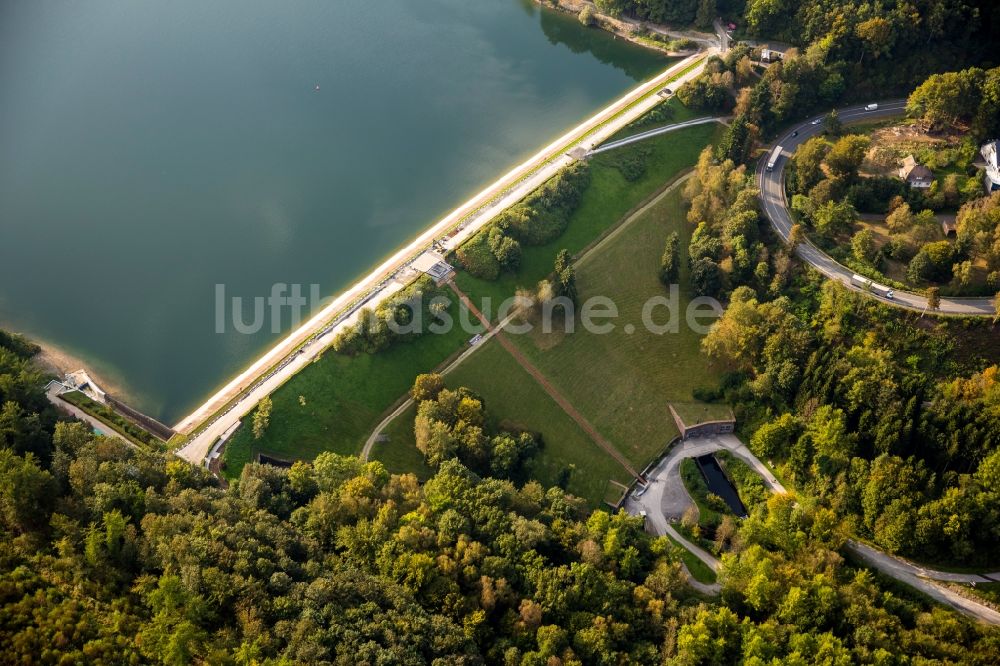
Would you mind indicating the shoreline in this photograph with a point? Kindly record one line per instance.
(291, 354)
(52, 359)
(625, 27)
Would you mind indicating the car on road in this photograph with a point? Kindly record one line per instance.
(795, 133)
(871, 107)
(890, 294)
(668, 91)
(816, 122)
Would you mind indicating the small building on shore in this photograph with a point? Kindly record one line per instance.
(433, 264)
(83, 383)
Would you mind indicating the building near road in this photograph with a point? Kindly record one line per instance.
(915, 174)
(992, 178)
(699, 420)
(433, 264)
(769, 55)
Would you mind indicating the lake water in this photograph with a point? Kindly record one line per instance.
(151, 150)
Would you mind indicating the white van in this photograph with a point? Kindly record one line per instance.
(871, 107)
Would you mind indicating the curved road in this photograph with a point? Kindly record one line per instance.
(772, 198)
(666, 498)
(925, 579)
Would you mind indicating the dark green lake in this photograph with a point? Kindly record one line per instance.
(151, 150)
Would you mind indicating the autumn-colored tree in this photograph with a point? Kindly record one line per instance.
(262, 417)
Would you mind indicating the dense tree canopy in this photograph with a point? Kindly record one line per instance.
(113, 554)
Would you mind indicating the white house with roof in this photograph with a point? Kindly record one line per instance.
(915, 174)
(989, 152)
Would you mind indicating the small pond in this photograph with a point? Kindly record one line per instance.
(720, 484)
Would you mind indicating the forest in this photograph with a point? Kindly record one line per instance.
(113, 554)
(889, 418)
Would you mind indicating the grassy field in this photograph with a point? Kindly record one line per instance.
(987, 591)
(345, 398)
(700, 412)
(748, 483)
(622, 381)
(518, 401)
(607, 200)
(669, 112)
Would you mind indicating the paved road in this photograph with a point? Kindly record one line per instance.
(249, 387)
(665, 498)
(710, 561)
(642, 136)
(917, 577)
(720, 32)
(775, 205)
(99, 426)
(900, 564)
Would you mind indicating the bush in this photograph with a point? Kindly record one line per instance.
(376, 330)
(863, 246)
(708, 92)
(670, 261)
(932, 263)
(506, 250)
(706, 278)
(660, 113)
(544, 214)
(717, 503)
(875, 194)
(899, 248)
(586, 16)
(477, 258)
(541, 217)
(632, 163)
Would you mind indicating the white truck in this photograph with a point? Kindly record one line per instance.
(773, 158)
(871, 107)
(865, 284)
